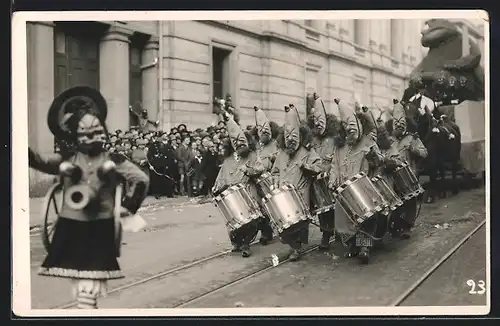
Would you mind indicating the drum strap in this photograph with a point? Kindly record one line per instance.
(342, 177)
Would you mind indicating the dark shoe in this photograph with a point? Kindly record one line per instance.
(246, 253)
(236, 248)
(364, 255)
(295, 255)
(265, 240)
(405, 233)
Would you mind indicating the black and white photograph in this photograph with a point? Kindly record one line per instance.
(278, 163)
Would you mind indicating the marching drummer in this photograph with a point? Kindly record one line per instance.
(323, 127)
(238, 167)
(265, 133)
(84, 246)
(410, 149)
(296, 164)
(357, 152)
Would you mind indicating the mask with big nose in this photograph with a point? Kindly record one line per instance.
(237, 136)
(291, 130)
(90, 135)
(263, 126)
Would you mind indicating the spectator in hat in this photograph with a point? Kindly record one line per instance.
(184, 156)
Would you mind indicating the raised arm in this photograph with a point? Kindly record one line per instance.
(48, 163)
(220, 182)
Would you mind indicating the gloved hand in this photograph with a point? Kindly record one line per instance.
(71, 170)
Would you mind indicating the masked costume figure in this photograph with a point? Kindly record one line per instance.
(265, 133)
(406, 148)
(297, 163)
(84, 246)
(323, 126)
(360, 153)
(238, 168)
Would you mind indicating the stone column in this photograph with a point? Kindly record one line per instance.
(114, 76)
(385, 36)
(375, 34)
(362, 32)
(397, 38)
(150, 78)
(40, 66)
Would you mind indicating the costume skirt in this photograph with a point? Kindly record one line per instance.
(83, 250)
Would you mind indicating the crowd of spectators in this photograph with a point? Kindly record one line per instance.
(180, 161)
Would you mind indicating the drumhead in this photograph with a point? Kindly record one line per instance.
(348, 182)
(275, 191)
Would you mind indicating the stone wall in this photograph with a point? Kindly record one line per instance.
(274, 63)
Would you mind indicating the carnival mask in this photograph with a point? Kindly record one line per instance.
(91, 135)
(352, 136)
(291, 144)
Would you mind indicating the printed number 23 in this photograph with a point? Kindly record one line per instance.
(481, 289)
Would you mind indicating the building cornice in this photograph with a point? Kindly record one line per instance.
(271, 35)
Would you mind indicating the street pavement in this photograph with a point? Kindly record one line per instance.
(327, 280)
(448, 285)
(181, 233)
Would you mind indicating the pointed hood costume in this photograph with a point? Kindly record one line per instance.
(319, 113)
(236, 134)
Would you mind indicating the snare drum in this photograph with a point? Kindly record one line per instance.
(322, 198)
(286, 209)
(360, 199)
(406, 183)
(237, 207)
(264, 184)
(390, 196)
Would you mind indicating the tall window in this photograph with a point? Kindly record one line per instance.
(135, 83)
(220, 78)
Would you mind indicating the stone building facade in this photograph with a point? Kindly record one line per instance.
(176, 68)
(273, 63)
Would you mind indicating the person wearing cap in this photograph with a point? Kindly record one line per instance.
(209, 166)
(139, 156)
(297, 163)
(323, 126)
(237, 168)
(357, 152)
(410, 150)
(85, 243)
(265, 133)
(184, 154)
